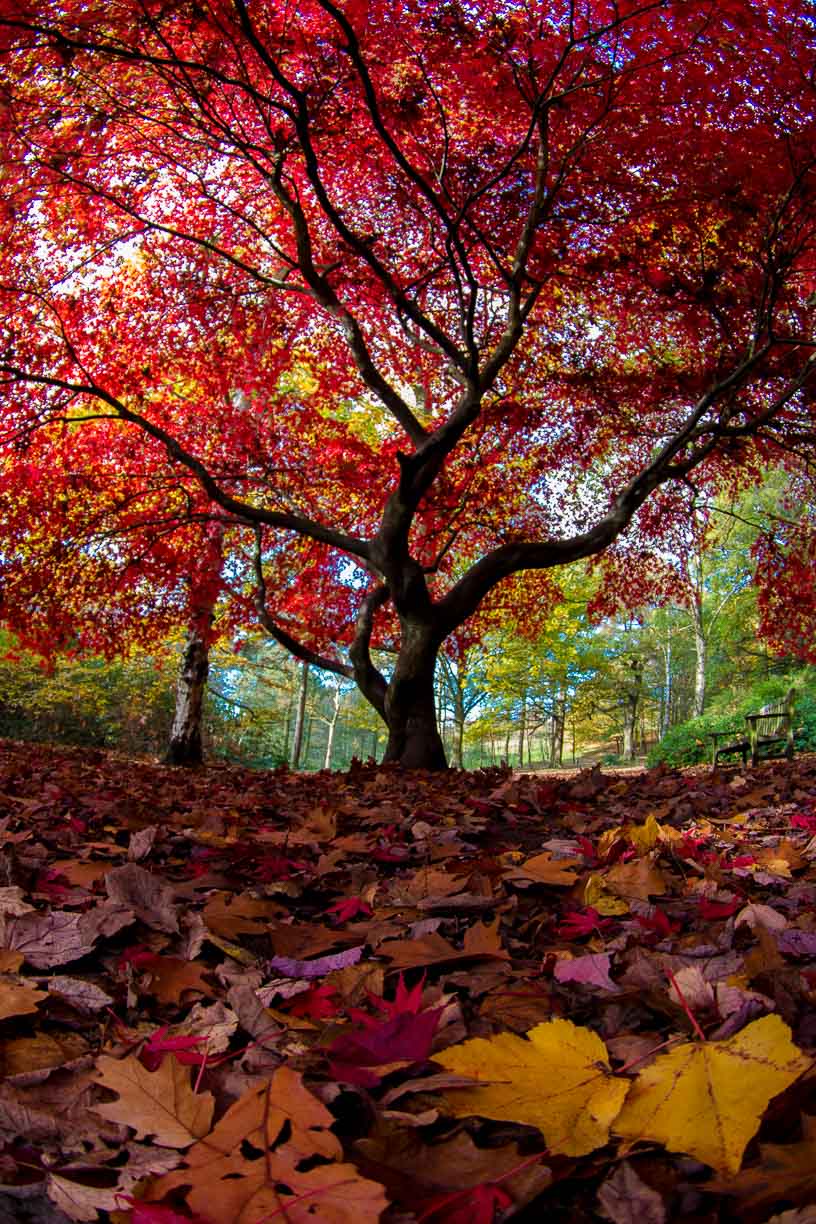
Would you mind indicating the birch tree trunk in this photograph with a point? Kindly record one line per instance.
(185, 746)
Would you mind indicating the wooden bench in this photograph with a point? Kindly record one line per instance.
(771, 728)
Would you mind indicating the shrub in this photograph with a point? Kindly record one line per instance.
(686, 744)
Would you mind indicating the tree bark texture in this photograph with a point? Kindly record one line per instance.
(410, 710)
(300, 718)
(185, 746)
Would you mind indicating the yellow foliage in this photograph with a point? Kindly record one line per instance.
(596, 896)
(707, 1098)
(646, 836)
(557, 1078)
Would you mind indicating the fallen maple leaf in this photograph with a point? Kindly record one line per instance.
(476, 1206)
(545, 869)
(158, 1044)
(625, 1198)
(160, 1103)
(281, 1119)
(590, 970)
(707, 1098)
(431, 949)
(157, 1213)
(404, 1001)
(579, 923)
(316, 1003)
(349, 907)
(718, 909)
(406, 1037)
(658, 923)
(558, 1079)
(150, 898)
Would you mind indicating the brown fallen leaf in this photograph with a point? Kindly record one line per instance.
(545, 869)
(624, 1198)
(231, 916)
(150, 898)
(640, 879)
(18, 999)
(480, 941)
(158, 1103)
(78, 1200)
(169, 978)
(786, 1172)
(228, 1188)
(26, 1056)
(413, 1169)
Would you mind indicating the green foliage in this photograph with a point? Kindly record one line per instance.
(687, 743)
(127, 704)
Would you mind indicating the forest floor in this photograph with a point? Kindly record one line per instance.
(244, 998)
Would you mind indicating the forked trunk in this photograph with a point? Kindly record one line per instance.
(185, 735)
(410, 712)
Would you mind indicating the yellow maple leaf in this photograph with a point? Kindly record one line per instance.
(707, 1098)
(557, 1079)
(646, 836)
(596, 896)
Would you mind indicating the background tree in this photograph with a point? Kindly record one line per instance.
(482, 204)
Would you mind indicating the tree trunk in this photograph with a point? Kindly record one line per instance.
(410, 708)
(630, 712)
(665, 712)
(701, 653)
(300, 718)
(185, 734)
(332, 727)
(522, 728)
(458, 721)
(185, 747)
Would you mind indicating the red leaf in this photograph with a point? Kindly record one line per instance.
(406, 1037)
(577, 924)
(349, 907)
(718, 909)
(476, 1206)
(316, 1003)
(157, 1213)
(154, 1050)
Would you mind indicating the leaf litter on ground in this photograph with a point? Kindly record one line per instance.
(236, 997)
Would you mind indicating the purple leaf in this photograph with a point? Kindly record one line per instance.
(794, 942)
(318, 967)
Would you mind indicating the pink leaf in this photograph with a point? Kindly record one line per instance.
(591, 970)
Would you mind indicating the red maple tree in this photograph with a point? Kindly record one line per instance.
(409, 303)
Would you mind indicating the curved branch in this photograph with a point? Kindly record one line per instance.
(360, 248)
(246, 512)
(370, 680)
(281, 635)
(684, 451)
